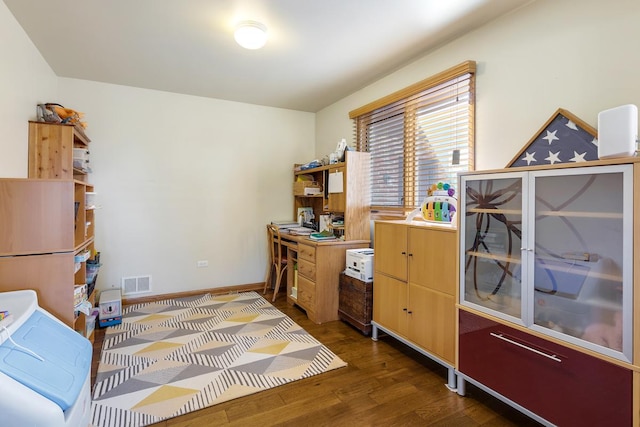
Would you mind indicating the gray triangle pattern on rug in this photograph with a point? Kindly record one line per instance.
(171, 357)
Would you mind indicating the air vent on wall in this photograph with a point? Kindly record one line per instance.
(136, 285)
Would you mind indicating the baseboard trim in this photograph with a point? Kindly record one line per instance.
(213, 291)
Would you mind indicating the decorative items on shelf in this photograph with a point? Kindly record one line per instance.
(439, 206)
(56, 113)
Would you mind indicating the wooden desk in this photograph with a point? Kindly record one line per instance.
(319, 265)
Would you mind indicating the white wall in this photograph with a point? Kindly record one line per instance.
(580, 55)
(183, 178)
(179, 178)
(25, 81)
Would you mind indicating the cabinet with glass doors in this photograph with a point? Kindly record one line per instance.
(546, 255)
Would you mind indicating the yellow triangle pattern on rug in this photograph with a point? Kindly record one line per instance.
(172, 357)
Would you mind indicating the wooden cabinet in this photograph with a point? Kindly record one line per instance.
(318, 268)
(39, 238)
(415, 285)
(347, 199)
(547, 258)
(390, 304)
(46, 225)
(356, 303)
(51, 151)
(49, 275)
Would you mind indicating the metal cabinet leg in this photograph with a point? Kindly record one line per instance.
(461, 386)
(452, 379)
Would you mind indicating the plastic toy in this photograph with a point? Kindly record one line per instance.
(440, 204)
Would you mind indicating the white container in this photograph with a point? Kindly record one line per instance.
(80, 158)
(90, 323)
(65, 372)
(618, 132)
(90, 199)
(82, 257)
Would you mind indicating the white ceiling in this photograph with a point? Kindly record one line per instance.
(318, 51)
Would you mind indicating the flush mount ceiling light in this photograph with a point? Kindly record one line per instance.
(251, 34)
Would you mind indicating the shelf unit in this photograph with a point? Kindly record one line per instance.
(351, 201)
(546, 289)
(52, 208)
(36, 241)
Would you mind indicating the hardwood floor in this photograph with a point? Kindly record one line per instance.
(384, 384)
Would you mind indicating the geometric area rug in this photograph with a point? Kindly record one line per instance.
(171, 357)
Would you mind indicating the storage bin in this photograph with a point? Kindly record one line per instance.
(79, 294)
(90, 199)
(90, 322)
(92, 271)
(81, 257)
(53, 390)
(81, 158)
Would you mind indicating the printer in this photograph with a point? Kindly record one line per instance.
(360, 264)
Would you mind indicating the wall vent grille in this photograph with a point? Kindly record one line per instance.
(136, 285)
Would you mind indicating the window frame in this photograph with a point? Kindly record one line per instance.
(404, 97)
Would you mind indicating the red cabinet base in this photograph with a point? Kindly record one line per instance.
(561, 385)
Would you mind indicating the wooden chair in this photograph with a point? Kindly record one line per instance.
(277, 261)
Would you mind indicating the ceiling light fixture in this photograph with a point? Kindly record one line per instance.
(251, 34)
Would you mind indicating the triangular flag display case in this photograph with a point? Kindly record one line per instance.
(564, 138)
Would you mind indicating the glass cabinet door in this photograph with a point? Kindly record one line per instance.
(491, 242)
(581, 283)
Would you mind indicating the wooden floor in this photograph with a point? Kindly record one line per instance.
(384, 384)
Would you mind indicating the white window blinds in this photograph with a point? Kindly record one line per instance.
(417, 137)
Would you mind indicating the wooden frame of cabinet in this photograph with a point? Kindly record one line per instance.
(628, 383)
(353, 203)
(414, 291)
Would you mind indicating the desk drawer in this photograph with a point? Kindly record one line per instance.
(307, 269)
(306, 293)
(307, 252)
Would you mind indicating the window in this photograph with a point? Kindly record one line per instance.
(417, 137)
